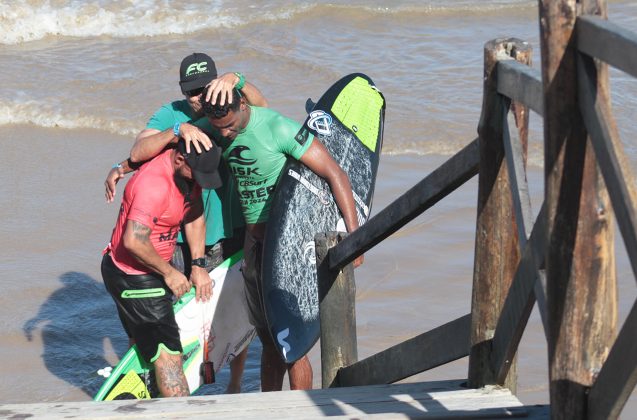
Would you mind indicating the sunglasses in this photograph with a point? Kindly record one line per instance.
(194, 92)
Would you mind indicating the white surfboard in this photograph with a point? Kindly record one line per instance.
(222, 322)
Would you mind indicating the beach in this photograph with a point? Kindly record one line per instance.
(80, 79)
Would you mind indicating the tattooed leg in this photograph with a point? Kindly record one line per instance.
(170, 375)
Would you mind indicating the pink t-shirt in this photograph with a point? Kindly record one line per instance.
(151, 198)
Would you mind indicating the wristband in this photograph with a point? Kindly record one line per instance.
(133, 165)
(242, 81)
(176, 129)
(199, 262)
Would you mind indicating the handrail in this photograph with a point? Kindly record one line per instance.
(611, 159)
(522, 205)
(608, 42)
(388, 366)
(437, 185)
(522, 84)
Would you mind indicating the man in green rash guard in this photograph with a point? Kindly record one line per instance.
(180, 119)
(256, 144)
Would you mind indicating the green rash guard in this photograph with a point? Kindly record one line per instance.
(221, 206)
(257, 156)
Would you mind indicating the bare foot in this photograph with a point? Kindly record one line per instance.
(233, 388)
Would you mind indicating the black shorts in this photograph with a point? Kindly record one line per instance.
(144, 304)
(251, 270)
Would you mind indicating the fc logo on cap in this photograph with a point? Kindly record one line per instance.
(197, 68)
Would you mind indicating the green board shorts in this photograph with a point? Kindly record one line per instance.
(144, 305)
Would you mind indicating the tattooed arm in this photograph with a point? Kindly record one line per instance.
(137, 241)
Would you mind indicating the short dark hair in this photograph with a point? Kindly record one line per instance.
(219, 111)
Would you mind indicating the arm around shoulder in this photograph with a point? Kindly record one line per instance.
(158, 132)
(253, 95)
(149, 143)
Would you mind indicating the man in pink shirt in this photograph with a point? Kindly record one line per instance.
(164, 193)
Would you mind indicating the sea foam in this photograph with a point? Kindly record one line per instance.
(31, 112)
(29, 21)
(23, 22)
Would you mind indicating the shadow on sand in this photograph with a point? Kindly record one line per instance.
(76, 321)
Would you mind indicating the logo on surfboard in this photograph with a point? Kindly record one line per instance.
(324, 196)
(285, 346)
(309, 253)
(320, 121)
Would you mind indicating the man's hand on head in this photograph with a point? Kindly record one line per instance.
(194, 137)
(220, 89)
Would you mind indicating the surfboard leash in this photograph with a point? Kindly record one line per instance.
(207, 368)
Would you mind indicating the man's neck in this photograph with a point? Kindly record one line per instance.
(246, 116)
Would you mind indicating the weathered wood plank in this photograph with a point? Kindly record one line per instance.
(441, 345)
(521, 83)
(609, 42)
(519, 301)
(337, 311)
(611, 158)
(437, 185)
(515, 152)
(497, 250)
(401, 401)
(580, 265)
(618, 376)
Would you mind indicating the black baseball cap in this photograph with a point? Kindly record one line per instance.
(196, 71)
(204, 165)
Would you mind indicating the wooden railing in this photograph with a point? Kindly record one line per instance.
(423, 352)
(563, 260)
(603, 40)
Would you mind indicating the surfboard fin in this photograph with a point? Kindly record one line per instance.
(309, 105)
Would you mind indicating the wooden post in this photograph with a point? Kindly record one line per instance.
(337, 311)
(580, 264)
(496, 248)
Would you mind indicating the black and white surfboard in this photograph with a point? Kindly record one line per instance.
(348, 119)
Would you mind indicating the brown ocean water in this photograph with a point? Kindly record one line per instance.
(77, 84)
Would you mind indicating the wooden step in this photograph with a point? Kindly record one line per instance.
(440, 399)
